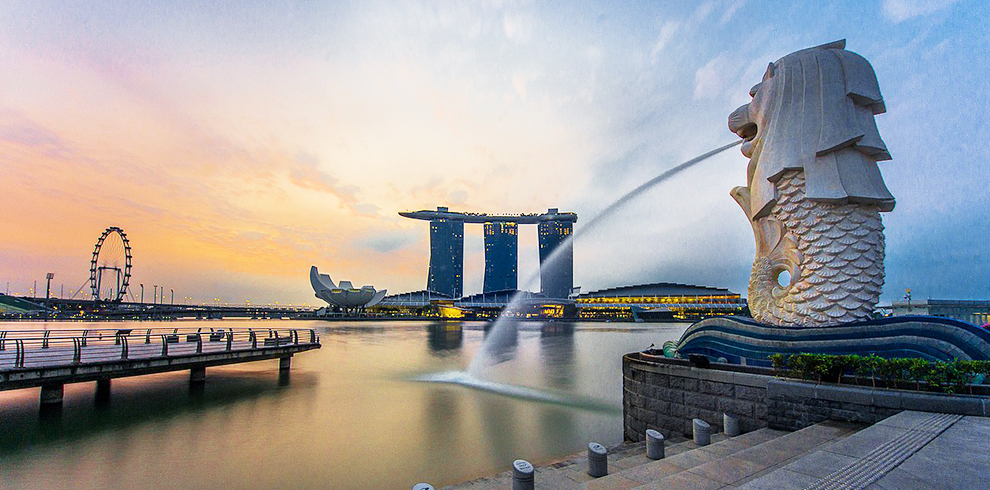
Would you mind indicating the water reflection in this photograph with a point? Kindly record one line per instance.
(135, 403)
(501, 343)
(444, 336)
(557, 354)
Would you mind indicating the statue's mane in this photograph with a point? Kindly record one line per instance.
(824, 101)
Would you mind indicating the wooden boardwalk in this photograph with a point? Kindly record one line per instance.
(52, 358)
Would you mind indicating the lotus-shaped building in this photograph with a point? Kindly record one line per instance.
(345, 295)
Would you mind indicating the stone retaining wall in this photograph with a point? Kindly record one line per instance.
(665, 394)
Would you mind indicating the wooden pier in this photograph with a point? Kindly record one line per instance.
(52, 358)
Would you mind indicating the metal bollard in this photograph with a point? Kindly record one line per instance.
(702, 432)
(522, 475)
(654, 444)
(730, 424)
(422, 486)
(597, 460)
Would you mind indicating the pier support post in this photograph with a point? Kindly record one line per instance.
(597, 460)
(654, 444)
(102, 390)
(284, 363)
(51, 393)
(197, 374)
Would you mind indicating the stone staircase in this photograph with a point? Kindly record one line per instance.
(726, 463)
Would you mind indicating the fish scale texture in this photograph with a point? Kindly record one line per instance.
(834, 252)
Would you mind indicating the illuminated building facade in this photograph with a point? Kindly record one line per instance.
(976, 312)
(557, 276)
(501, 261)
(446, 257)
(501, 250)
(659, 302)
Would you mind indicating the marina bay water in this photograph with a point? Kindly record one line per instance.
(354, 414)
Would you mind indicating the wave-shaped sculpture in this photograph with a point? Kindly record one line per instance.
(345, 295)
(744, 340)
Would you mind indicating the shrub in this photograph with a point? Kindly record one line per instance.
(947, 377)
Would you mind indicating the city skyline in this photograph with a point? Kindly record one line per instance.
(238, 146)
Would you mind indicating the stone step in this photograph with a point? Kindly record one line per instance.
(741, 461)
(569, 471)
(686, 455)
(865, 457)
(724, 463)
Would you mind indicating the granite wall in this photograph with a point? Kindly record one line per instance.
(665, 394)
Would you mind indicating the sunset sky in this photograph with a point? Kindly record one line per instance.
(237, 143)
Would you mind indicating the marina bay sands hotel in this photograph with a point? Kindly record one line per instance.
(501, 250)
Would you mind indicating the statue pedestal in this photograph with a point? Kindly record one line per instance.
(746, 341)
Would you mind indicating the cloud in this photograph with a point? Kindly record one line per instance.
(901, 10)
(24, 133)
(712, 79)
(306, 173)
(519, 83)
(667, 32)
(517, 27)
(388, 241)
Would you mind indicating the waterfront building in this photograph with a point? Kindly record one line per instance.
(446, 256)
(501, 261)
(343, 296)
(501, 249)
(976, 312)
(557, 276)
(662, 301)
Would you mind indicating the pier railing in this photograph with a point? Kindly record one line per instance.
(38, 348)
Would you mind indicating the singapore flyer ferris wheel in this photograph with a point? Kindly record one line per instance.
(110, 269)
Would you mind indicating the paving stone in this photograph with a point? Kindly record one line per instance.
(728, 470)
(726, 448)
(861, 443)
(576, 475)
(898, 479)
(690, 459)
(652, 471)
(683, 481)
(609, 482)
(780, 479)
(819, 464)
(628, 462)
(907, 419)
(765, 455)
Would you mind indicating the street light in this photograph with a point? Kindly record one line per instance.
(48, 293)
(173, 296)
(142, 293)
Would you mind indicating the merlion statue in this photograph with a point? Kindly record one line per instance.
(813, 191)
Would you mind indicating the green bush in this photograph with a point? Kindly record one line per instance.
(947, 377)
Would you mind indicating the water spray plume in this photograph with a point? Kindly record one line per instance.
(479, 360)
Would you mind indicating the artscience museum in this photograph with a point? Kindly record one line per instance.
(344, 296)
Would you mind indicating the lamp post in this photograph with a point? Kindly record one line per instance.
(48, 294)
(142, 293)
(173, 296)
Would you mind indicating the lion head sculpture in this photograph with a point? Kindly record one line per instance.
(814, 111)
